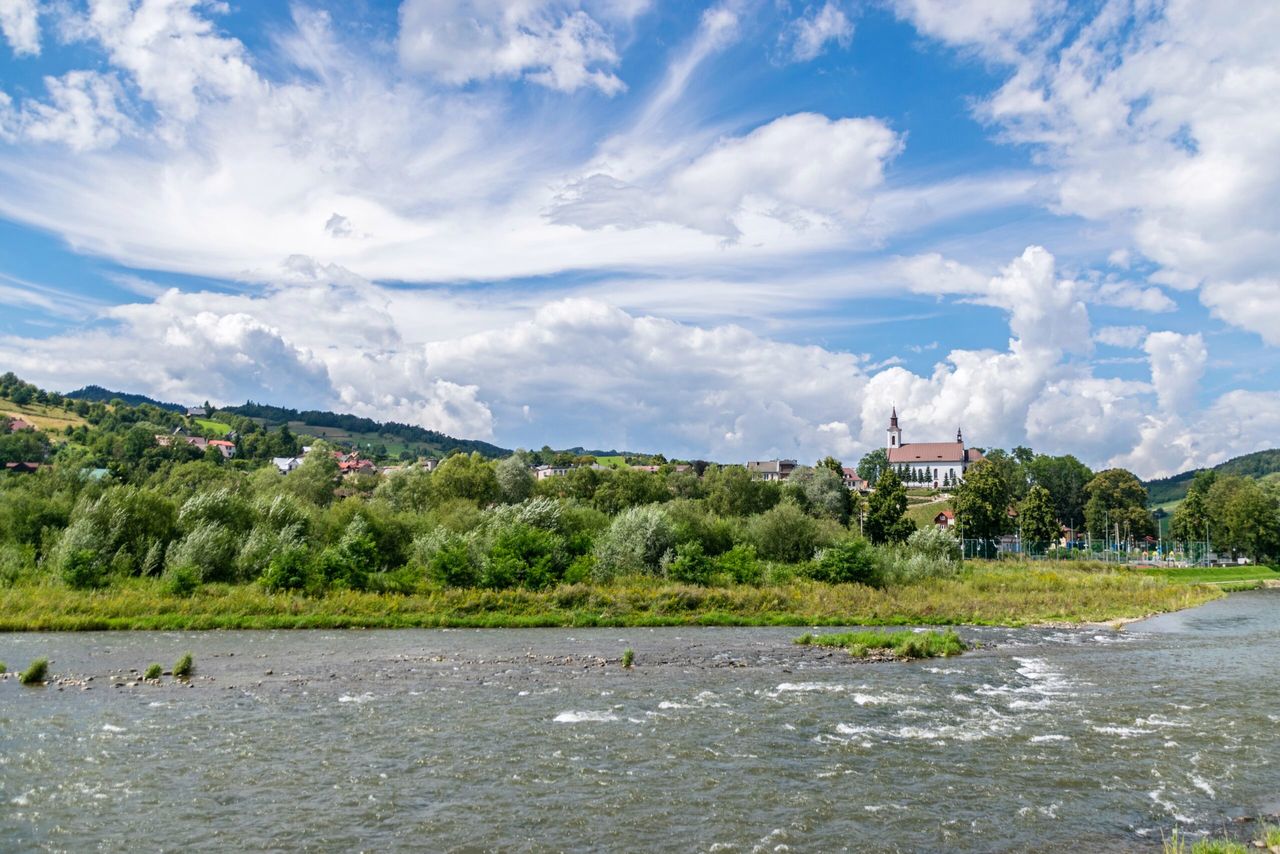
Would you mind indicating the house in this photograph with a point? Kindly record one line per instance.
(649, 469)
(286, 464)
(430, 464)
(945, 519)
(544, 472)
(854, 482)
(228, 449)
(771, 469)
(356, 465)
(95, 474)
(22, 468)
(196, 412)
(939, 463)
(16, 424)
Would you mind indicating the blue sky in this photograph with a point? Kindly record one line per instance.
(729, 230)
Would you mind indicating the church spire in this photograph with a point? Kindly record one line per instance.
(893, 419)
(959, 437)
(894, 437)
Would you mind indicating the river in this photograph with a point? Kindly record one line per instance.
(718, 739)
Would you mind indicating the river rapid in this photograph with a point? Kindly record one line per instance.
(1079, 739)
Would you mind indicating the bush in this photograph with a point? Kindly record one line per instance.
(691, 564)
(521, 555)
(635, 542)
(185, 667)
(850, 562)
(934, 543)
(209, 548)
(153, 672)
(453, 564)
(289, 569)
(83, 569)
(784, 533)
(740, 564)
(182, 580)
(35, 673)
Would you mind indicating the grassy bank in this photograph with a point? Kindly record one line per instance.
(1231, 575)
(982, 595)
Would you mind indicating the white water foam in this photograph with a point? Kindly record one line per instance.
(572, 717)
(357, 698)
(1123, 731)
(803, 687)
(112, 728)
(1046, 739)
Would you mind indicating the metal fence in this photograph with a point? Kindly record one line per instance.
(1156, 552)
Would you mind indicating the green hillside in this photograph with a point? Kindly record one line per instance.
(1166, 492)
(354, 430)
(105, 395)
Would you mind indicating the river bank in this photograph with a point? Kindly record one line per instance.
(990, 594)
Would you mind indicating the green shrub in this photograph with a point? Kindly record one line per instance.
(580, 569)
(740, 564)
(635, 542)
(849, 562)
(405, 580)
(84, 569)
(290, 569)
(628, 658)
(185, 667)
(691, 564)
(153, 672)
(4, 668)
(904, 644)
(210, 548)
(784, 533)
(453, 564)
(182, 580)
(35, 672)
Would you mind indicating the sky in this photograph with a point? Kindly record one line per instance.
(732, 231)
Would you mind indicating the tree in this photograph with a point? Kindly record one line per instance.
(1117, 504)
(886, 511)
(465, 476)
(316, 477)
(1245, 517)
(1192, 519)
(821, 493)
(734, 491)
(871, 465)
(981, 502)
(1037, 520)
(830, 462)
(1065, 477)
(515, 481)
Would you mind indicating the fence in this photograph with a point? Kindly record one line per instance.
(1163, 552)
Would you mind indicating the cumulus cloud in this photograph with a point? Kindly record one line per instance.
(20, 25)
(554, 44)
(800, 169)
(82, 111)
(808, 35)
(1121, 336)
(1177, 364)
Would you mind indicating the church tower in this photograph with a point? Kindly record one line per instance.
(895, 433)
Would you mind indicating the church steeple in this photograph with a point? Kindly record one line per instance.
(895, 433)
(959, 437)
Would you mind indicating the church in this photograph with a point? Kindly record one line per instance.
(938, 464)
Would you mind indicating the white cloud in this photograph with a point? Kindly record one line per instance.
(83, 112)
(1129, 295)
(802, 169)
(808, 35)
(1253, 304)
(1177, 365)
(992, 26)
(1121, 336)
(19, 22)
(552, 43)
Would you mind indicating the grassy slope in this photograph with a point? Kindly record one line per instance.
(45, 417)
(1215, 574)
(616, 462)
(984, 594)
(216, 427)
(922, 514)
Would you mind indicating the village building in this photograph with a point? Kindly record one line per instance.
(853, 481)
(945, 519)
(544, 472)
(772, 469)
(941, 463)
(16, 424)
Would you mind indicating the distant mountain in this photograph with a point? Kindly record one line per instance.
(359, 431)
(96, 393)
(1256, 465)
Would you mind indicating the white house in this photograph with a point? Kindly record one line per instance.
(771, 469)
(945, 462)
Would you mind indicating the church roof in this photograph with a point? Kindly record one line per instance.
(928, 452)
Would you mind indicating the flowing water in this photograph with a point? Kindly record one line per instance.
(1082, 739)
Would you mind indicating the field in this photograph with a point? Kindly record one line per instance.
(615, 462)
(984, 594)
(922, 513)
(45, 417)
(215, 427)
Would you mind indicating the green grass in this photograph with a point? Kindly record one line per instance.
(217, 428)
(628, 658)
(1214, 574)
(153, 672)
(616, 462)
(35, 672)
(984, 594)
(903, 644)
(184, 668)
(922, 514)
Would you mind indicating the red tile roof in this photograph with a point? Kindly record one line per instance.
(928, 452)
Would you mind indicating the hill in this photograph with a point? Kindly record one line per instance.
(1168, 490)
(96, 393)
(364, 432)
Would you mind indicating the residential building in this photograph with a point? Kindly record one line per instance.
(286, 464)
(941, 462)
(544, 472)
(15, 424)
(196, 412)
(228, 449)
(945, 519)
(853, 481)
(771, 469)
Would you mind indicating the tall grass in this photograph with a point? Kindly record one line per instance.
(903, 644)
(995, 594)
(35, 673)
